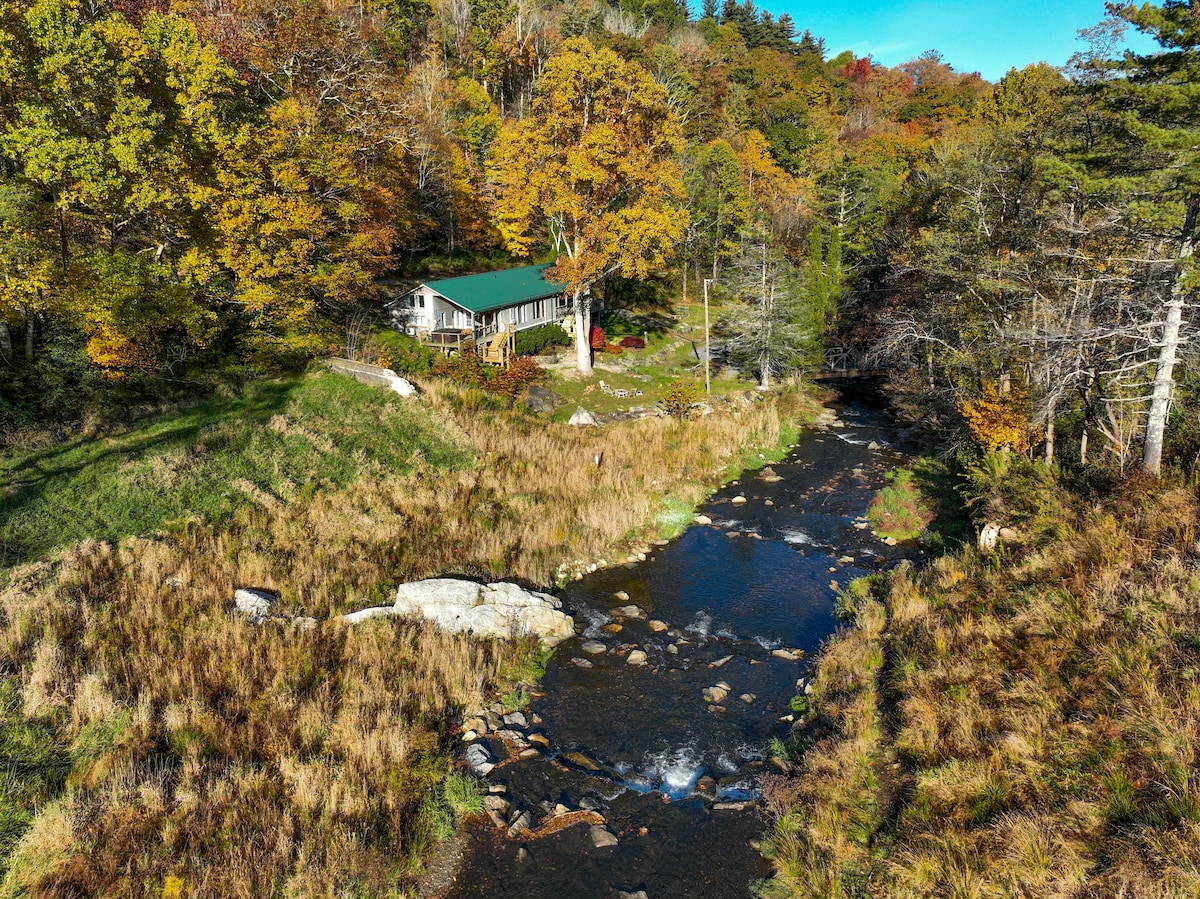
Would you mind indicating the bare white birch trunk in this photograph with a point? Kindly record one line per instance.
(583, 332)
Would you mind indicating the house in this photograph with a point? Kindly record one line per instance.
(478, 307)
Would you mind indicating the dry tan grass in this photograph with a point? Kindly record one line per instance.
(217, 758)
(1038, 724)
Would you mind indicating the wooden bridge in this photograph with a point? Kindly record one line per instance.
(848, 362)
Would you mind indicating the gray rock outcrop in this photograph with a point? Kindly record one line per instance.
(485, 610)
(254, 604)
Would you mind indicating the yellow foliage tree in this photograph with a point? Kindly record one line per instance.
(596, 164)
(998, 419)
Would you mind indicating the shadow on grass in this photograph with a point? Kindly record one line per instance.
(936, 482)
(67, 477)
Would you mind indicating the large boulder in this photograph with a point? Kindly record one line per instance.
(582, 417)
(539, 399)
(485, 610)
(255, 605)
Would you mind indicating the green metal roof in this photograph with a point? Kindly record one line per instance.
(489, 291)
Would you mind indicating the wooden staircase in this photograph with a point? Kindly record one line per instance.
(499, 350)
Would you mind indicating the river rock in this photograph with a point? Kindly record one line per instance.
(485, 610)
(516, 719)
(637, 657)
(731, 806)
(786, 654)
(748, 698)
(523, 855)
(720, 663)
(255, 605)
(540, 739)
(672, 649)
(580, 760)
(629, 612)
(657, 626)
(581, 663)
(497, 804)
(494, 721)
(602, 837)
(768, 502)
(724, 686)
(479, 759)
(530, 752)
(625, 894)
(738, 500)
(706, 787)
(613, 628)
(593, 647)
(846, 560)
(582, 418)
(703, 520)
(591, 804)
(768, 474)
(477, 724)
(523, 823)
(621, 596)
(714, 694)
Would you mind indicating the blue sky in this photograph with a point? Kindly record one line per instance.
(985, 37)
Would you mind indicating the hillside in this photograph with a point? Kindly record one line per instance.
(1016, 725)
(153, 737)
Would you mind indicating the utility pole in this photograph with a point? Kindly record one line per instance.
(707, 346)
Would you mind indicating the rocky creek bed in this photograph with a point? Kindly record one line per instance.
(637, 769)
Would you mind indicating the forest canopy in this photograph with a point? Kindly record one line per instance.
(192, 189)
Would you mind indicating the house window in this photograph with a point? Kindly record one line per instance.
(421, 300)
(562, 302)
(539, 309)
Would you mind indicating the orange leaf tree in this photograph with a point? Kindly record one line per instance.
(595, 163)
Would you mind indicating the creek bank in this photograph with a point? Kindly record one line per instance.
(671, 750)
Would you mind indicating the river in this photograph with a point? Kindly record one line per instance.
(672, 769)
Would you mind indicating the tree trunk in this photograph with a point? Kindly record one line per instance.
(1083, 440)
(1160, 398)
(1050, 436)
(5, 341)
(583, 332)
(29, 334)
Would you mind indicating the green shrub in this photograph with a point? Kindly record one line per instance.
(405, 354)
(532, 341)
(679, 397)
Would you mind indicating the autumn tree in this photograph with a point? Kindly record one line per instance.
(1157, 167)
(772, 324)
(595, 165)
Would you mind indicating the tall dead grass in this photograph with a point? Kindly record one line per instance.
(211, 757)
(1038, 723)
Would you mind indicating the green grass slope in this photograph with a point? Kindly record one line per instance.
(278, 441)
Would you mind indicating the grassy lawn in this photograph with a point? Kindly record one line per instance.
(279, 441)
(670, 355)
